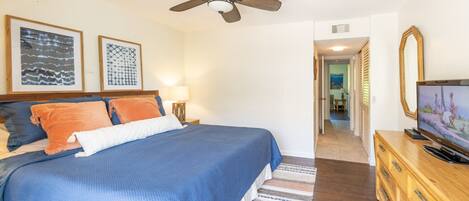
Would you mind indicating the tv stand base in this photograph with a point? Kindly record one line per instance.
(446, 155)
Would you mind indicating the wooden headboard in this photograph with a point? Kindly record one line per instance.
(48, 96)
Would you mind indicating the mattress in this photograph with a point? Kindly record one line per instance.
(198, 162)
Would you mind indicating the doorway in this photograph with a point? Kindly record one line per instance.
(338, 88)
(340, 112)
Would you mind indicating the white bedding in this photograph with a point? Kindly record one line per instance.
(265, 175)
(5, 153)
(35, 146)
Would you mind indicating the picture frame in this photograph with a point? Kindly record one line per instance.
(120, 64)
(43, 58)
(337, 81)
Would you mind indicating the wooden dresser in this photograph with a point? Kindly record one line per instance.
(405, 172)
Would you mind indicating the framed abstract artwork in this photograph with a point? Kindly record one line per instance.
(43, 58)
(120, 64)
(337, 81)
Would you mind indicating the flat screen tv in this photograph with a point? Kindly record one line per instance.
(443, 113)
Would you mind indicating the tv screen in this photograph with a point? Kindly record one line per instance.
(443, 113)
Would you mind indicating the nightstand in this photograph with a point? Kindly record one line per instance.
(192, 121)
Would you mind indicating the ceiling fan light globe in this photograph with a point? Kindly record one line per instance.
(223, 6)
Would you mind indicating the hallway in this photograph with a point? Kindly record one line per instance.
(339, 143)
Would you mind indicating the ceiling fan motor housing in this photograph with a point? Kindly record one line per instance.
(221, 6)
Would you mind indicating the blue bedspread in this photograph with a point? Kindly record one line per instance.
(198, 163)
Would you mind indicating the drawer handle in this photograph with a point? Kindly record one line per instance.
(385, 194)
(396, 166)
(385, 173)
(381, 147)
(420, 195)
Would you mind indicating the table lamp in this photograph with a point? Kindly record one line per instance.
(179, 95)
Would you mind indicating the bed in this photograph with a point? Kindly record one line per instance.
(198, 162)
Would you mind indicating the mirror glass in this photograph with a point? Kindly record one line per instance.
(411, 72)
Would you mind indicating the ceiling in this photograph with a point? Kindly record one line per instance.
(202, 17)
(352, 46)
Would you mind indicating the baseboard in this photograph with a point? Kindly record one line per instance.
(298, 154)
(356, 132)
(371, 160)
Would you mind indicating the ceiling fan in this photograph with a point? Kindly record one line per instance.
(227, 8)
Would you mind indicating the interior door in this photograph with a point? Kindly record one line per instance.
(323, 99)
(316, 104)
(318, 128)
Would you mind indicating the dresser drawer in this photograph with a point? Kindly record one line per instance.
(398, 172)
(382, 191)
(386, 179)
(382, 152)
(417, 192)
(402, 196)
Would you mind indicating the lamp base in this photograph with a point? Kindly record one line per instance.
(179, 109)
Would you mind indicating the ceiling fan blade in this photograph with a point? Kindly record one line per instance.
(270, 5)
(232, 16)
(188, 5)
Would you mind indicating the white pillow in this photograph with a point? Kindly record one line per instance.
(104, 138)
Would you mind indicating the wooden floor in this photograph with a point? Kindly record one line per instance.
(340, 180)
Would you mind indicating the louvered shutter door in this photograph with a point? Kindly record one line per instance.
(365, 75)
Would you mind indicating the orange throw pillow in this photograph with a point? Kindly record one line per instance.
(134, 109)
(60, 120)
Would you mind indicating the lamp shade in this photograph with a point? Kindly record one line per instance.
(179, 93)
(223, 6)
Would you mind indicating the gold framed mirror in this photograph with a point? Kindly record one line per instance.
(411, 63)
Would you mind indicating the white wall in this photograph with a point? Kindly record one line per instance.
(444, 26)
(162, 46)
(384, 72)
(255, 76)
